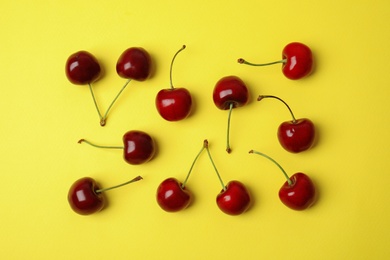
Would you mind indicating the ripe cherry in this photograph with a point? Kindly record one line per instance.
(234, 198)
(85, 196)
(174, 104)
(297, 60)
(297, 135)
(139, 147)
(82, 68)
(172, 195)
(298, 192)
(134, 63)
(230, 92)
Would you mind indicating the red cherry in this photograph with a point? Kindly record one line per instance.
(174, 104)
(298, 195)
(139, 147)
(298, 192)
(230, 92)
(297, 135)
(134, 63)
(82, 68)
(297, 61)
(172, 196)
(234, 199)
(85, 196)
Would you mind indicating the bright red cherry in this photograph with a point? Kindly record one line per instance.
(82, 68)
(298, 192)
(174, 104)
(297, 61)
(134, 63)
(139, 147)
(234, 198)
(172, 195)
(297, 135)
(85, 196)
(230, 92)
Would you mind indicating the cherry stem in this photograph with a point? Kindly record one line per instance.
(242, 61)
(289, 181)
(192, 166)
(94, 101)
(173, 59)
(228, 129)
(99, 146)
(138, 178)
(206, 145)
(289, 109)
(104, 118)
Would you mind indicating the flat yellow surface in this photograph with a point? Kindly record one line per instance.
(43, 116)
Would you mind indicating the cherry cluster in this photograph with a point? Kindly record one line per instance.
(174, 104)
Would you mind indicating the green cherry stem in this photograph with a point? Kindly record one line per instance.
(289, 181)
(261, 97)
(138, 178)
(228, 129)
(99, 146)
(94, 101)
(206, 145)
(192, 166)
(242, 61)
(104, 118)
(173, 59)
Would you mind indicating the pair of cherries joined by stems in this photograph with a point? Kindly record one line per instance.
(82, 68)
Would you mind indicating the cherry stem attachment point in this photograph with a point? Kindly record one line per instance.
(228, 129)
(270, 96)
(289, 181)
(192, 166)
(138, 178)
(206, 145)
(242, 61)
(173, 59)
(99, 146)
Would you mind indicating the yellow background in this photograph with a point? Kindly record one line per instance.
(43, 116)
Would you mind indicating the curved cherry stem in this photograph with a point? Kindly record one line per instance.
(192, 166)
(99, 146)
(242, 61)
(138, 178)
(228, 149)
(94, 101)
(270, 96)
(289, 181)
(104, 118)
(206, 145)
(173, 59)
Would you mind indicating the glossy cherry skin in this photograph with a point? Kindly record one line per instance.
(82, 68)
(139, 147)
(84, 199)
(300, 195)
(174, 104)
(172, 197)
(299, 60)
(235, 199)
(296, 136)
(134, 63)
(230, 90)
